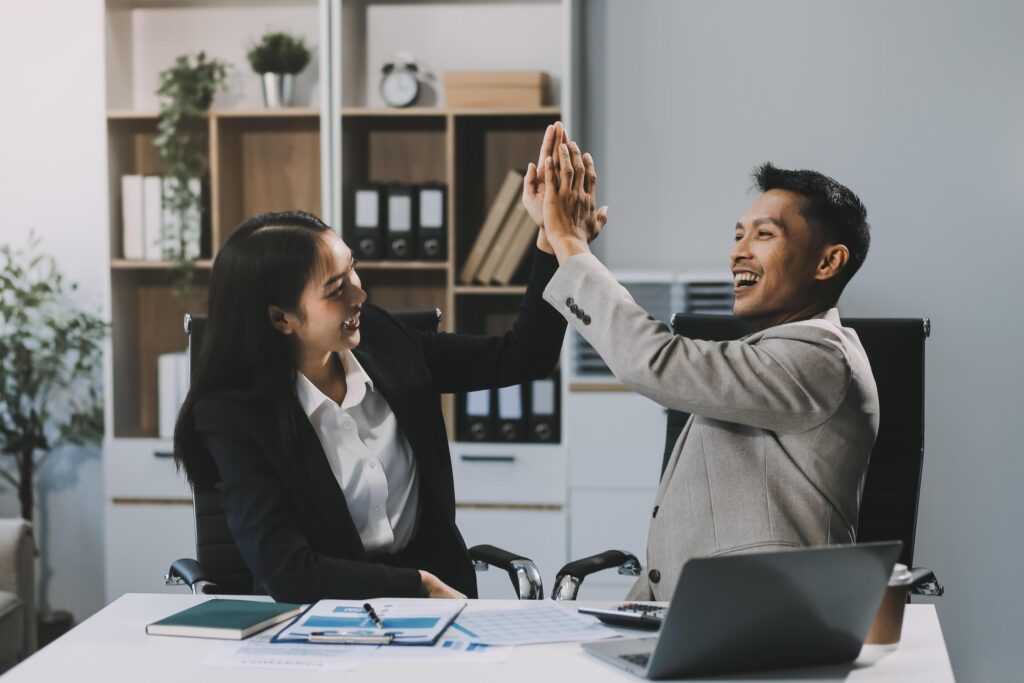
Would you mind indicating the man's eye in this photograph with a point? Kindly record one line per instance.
(738, 237)
(764, 233)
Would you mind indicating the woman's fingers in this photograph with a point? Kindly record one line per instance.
(578, 167)
(590, 182)
(549, 179)
(547, 145)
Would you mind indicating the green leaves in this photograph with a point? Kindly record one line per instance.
(50, 354)
(279, 53)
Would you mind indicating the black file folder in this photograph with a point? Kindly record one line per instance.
(476, 416)
(401, 219)
(365, 235)
(545, 410)
(430, 242)
(511, 414)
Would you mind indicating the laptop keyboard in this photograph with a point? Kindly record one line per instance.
(640, 659)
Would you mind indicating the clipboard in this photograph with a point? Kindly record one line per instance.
(404, 622)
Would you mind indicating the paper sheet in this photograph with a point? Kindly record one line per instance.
(527, 623)
(259, 653)
(449, 650)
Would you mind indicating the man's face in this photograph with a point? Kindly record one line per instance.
(774, 261)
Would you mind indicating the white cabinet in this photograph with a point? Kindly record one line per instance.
(143, 538)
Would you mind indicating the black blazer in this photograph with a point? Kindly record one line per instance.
(286, 512)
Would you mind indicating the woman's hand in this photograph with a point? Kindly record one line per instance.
(434, 587)
(533, 183)
(571, 216)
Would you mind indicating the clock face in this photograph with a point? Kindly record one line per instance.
(399, 88)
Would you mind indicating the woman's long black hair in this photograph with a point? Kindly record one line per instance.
(267, 261)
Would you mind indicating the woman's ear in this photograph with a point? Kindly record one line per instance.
(283, 321)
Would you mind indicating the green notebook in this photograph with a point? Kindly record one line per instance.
(227, 619)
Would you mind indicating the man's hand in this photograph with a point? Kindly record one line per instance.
(434, 587)
(571, 219)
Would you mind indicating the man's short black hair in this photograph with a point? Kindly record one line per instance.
(831, 207)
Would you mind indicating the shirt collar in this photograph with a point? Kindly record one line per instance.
(356, 379)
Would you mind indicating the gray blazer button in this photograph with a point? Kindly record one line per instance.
(573, 308)
(569, 301)
(654, 575)
(586, 320)
(580, 314)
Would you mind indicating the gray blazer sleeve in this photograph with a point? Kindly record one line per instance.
(790, 378)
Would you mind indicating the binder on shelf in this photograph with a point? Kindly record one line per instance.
(501, 243)
(508, 194)
(400, 219)
(545, 411)
(511, 421)
(431, 244)
(476, 416)
(523, 235)
(152, 221)
(366, 234)
(132, 238)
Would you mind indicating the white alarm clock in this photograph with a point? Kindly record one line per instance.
(400, 85)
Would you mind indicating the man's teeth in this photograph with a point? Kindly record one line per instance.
(745, 279)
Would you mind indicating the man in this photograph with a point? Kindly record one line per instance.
(784, 420)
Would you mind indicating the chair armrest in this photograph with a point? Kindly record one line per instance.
(18, 572)
(569, 578)
(521, 570)
(188, 572)
(924, 582)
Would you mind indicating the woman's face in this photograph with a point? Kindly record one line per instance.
(331, 303)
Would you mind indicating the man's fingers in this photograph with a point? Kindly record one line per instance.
(549, 179)
(565, 175)
(590, 183)
(602, 216)
(579, 169)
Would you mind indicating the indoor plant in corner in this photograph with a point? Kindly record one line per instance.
(186, 92)
(50, 396)
(277, 58)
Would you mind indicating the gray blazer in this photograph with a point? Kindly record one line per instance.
(783, 425)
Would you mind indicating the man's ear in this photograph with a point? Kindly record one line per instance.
(833, 260)
(282, 320)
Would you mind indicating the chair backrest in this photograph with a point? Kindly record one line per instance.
(216, 552)
(895, 349)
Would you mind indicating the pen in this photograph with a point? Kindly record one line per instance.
(343, 638)
(373, 614)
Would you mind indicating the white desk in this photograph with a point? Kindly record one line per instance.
(113, 646)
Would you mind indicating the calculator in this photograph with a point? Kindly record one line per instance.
(630, 614)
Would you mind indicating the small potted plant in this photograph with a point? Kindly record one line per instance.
(277, 58)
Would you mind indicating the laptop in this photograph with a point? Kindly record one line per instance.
(777, 610)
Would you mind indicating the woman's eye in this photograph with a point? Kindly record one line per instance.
(764, 233)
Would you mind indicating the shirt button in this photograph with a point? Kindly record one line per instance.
(376, 508)
(373, 465)
(654, 575)
(346, 424)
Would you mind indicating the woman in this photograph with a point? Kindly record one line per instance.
(316, 415)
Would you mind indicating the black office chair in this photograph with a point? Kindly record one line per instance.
(888, 509)
(219, 568)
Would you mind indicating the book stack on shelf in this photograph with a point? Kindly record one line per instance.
(503, 240)
(150, 230)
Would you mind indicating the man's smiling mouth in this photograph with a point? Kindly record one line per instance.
(744, 279)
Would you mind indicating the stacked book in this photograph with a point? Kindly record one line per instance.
(152, 231)
(504, 238)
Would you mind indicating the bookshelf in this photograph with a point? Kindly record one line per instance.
(310, 157)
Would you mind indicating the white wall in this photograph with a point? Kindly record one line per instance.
(53, 179)
(919, 107)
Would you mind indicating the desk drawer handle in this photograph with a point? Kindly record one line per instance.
(488, 458)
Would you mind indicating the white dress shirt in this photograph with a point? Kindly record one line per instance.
(369, 455)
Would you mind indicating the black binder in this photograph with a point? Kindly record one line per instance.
(365, 236)
(401, 221)
(511, 414)
(545, 410)
(476, 416)
(431, 244)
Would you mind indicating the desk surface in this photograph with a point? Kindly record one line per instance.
(112, 646)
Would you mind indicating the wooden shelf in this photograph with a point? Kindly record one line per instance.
(125, 264)
(288, 112)
(402, 265)
(443, 111)
(490, 289)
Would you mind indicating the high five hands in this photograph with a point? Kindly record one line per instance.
(560, 194)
